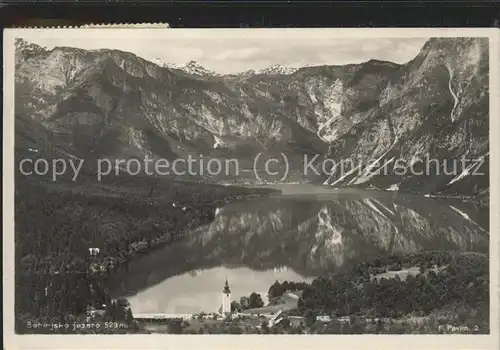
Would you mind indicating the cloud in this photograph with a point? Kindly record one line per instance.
(187, 54)
(331, 52)
(237, 52)
(244, 54)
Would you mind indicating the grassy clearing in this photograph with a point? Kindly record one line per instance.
(404, 273)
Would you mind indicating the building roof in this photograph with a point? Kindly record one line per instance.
(226, 289)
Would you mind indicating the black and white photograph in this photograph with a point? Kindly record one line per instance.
(250, 182)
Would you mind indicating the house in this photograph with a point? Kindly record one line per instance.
(276, 318)
(296, 320)
(323, 318)
(93, 312)
(344, 319)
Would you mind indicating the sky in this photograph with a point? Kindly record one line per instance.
(238, 51)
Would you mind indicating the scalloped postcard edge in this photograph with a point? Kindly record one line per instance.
(145, 25)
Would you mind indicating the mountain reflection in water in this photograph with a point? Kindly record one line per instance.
(294, 238)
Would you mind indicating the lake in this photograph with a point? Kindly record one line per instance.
(303, 233)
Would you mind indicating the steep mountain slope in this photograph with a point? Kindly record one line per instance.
(435, 107)
(115, 104)
(62, 82)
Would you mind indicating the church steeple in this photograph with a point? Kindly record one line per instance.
(226, 299)
(226, 289)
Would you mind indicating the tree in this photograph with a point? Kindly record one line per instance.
(299, 329)
(122, 305)
(235, 329)
(276, 290)
(235, 306)
(380, 329)
(255, 301)
(265, 327)
(175, 326)
(128, 316)
(310, 318)
(228, 318)
(286, 324)
(244, 303)
(346, 328)
(333, 327)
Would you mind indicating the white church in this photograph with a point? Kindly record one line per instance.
(226, 299)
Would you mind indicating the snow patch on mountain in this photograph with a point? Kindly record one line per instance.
(136, 138)
(194, 68)
(162, 63)
(217, 143)
(277, 69)
(330, 110)
(466, 217)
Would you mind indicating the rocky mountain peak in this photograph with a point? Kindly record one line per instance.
(195, 68)
(277, 69)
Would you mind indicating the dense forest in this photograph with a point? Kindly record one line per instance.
(58, 225)
(396, 286)
(277, 289)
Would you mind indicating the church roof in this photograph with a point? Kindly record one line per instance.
(226, 289)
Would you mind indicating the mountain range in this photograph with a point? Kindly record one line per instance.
(195, 68)
(110, 103)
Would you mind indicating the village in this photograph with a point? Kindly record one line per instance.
(272, 318)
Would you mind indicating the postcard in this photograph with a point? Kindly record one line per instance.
(251, 188)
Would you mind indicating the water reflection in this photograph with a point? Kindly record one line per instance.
(295, 238)
(189, 293)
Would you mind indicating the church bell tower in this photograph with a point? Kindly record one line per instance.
(226, 299)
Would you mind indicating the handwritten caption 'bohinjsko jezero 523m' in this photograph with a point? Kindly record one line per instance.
(74, 326)
(278, 167)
